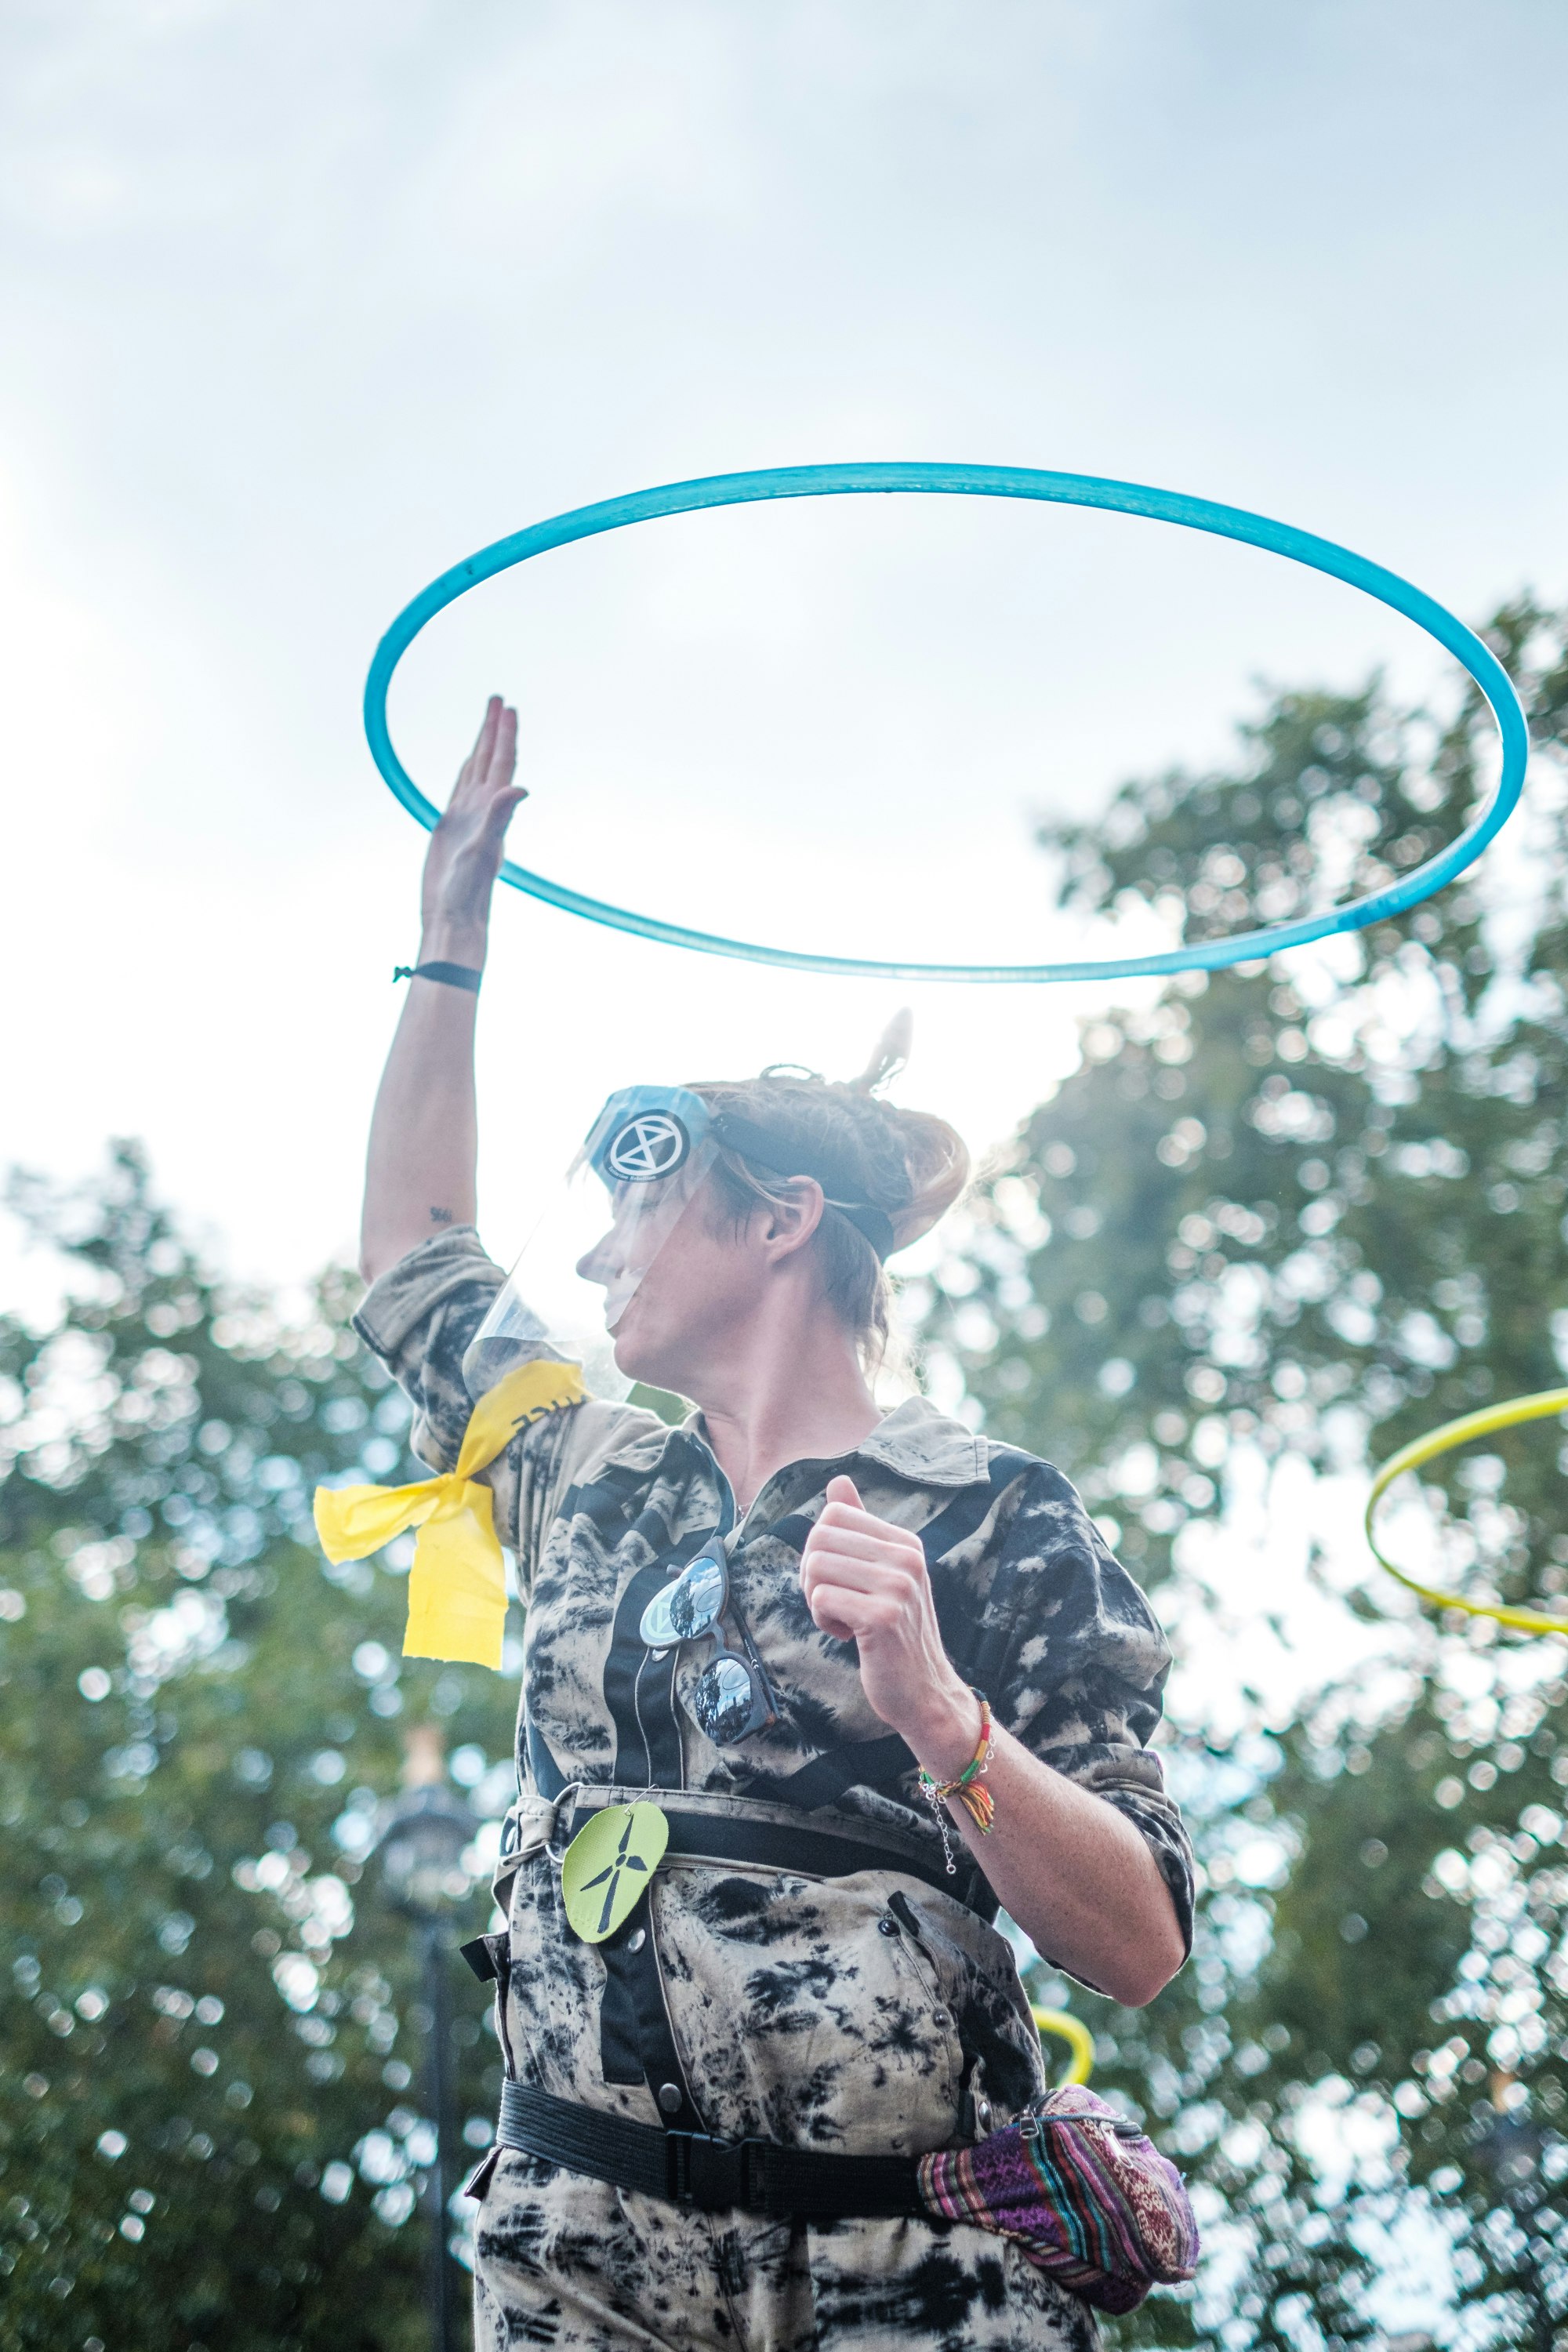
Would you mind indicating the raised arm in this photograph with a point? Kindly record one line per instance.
(423, 1133)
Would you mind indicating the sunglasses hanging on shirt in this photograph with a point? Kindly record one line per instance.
(732, 1696)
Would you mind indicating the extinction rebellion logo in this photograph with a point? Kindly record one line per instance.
(653, 1144)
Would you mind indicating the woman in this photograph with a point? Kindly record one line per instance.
(812, 1971)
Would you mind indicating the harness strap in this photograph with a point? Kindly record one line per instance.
(857, 1764)
(712, 2175)
(815, 1852)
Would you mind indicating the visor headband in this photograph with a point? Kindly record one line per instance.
(784, 1156)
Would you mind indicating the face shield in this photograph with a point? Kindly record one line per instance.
(641, 1163)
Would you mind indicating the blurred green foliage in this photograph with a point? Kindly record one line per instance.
(1278, 1223)
(210, 2039)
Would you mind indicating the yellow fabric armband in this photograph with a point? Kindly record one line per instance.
(456, 1587)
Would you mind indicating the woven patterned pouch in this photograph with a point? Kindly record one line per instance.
(1081, 2191)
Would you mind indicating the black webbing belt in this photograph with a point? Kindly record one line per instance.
(813, 1852)
(714, 2175)
(773, 1845)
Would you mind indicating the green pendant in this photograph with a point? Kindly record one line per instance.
(610, 1865)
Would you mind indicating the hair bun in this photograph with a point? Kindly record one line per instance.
(888, 1055)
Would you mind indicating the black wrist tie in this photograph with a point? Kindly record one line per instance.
(456, 975)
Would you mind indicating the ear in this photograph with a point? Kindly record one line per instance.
(784, 1226)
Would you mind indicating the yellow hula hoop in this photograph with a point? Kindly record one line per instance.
(1508, 1415)
(1077, 2037)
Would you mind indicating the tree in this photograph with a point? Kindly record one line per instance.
(210, 2126)
(1278, 1223)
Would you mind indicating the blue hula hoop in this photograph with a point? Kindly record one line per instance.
(984, 482)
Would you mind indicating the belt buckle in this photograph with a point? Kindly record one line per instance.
(712, 2175)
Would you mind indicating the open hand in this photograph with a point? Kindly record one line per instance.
(466, 849)
(866, 1581)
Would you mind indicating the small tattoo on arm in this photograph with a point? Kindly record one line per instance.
(440, 1216)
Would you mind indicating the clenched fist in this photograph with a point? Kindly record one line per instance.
(866, 1581)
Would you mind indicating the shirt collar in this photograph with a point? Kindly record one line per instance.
(926, 1447)
(915, 1441)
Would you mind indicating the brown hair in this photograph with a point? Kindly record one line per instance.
(908, 1163)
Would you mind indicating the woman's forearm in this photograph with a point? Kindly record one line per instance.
(423, 1133)
(1073, 1872)
(1070, 1870)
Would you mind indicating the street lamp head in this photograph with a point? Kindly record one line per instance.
(421, 1850)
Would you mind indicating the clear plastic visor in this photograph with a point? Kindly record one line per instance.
(579, 1269)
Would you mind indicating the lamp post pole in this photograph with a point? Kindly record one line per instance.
(420, 1849)
(1511, 2149)
(439, 2088)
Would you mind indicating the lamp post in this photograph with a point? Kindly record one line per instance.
(1509, 2148)
(419, 1852)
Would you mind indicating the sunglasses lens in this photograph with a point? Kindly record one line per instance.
(724, 1703)
(690, 1606)
(697, 1597)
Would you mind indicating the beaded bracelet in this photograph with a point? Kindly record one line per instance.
(977, 1802)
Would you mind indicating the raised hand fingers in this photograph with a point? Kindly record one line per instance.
(485, 735)
(479, 758)
(494, 755)
(502, 761)
(501, 794)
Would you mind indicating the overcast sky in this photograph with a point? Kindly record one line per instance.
(301, 305)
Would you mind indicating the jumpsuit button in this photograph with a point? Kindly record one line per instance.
(670, 2098)
(637, 1939)
(939, 2017)
(888, 1926)
(982, 2115)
